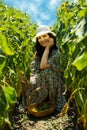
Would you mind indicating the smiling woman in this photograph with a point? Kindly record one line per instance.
(41, 12)
(45, 79)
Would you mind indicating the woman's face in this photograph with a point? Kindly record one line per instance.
(43, 39)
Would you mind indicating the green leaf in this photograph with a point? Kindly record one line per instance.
(3, 102)
(81, 13)
(2, 63)
(80, 99)
(81, 62)
(66, 73)
(14, 28)
(10, 95)
(80, 29)
(6, 118)
(4, 45)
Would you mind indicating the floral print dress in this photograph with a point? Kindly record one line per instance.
(46, 82)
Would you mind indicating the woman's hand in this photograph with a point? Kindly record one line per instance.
(50, 43)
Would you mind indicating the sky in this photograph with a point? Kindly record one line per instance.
(40, 11)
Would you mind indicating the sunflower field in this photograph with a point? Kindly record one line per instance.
(71, 31)
(17, 50)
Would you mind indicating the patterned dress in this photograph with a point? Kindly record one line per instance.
(46, 82)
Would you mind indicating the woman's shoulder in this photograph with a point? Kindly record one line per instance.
(55, 53)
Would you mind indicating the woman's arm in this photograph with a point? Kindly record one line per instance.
(44, 60)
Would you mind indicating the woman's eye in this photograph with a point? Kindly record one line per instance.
(39, 38)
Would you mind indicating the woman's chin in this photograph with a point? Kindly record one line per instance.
(44, 45)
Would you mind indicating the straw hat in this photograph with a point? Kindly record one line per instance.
(43, 29)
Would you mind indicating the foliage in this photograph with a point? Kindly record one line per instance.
(16, 52)
(71, 30)
(8, 96)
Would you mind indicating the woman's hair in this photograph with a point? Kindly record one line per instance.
(40, 49)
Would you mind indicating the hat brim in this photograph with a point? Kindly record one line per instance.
(39, 34)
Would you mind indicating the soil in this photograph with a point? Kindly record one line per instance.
(23, 120)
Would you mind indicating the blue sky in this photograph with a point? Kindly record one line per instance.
(41, 11)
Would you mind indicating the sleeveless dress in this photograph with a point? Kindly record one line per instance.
(46, 82)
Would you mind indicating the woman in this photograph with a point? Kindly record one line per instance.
(45, 78)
